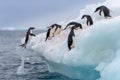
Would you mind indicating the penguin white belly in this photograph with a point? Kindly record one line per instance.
(102, 14)
(89, 23)
(29, 39)
(52, 32)
(73, 45)
(57, 32)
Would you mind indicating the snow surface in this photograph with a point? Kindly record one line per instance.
(96, 55)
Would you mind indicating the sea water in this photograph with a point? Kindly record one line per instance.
(11, 66)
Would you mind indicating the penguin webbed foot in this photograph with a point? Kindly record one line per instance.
(71, 47)
(23, 45)
(108, 17)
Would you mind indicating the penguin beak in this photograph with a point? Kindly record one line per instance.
(95, 11)
(82, 17)
(33, 28)
(47, 27)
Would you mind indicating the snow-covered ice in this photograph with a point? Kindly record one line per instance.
(97, 48)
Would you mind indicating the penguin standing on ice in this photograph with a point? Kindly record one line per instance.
(105, 11)
(58, 29)
(29, 34)
(75, 24)
(89, 19)
(52, 31)
(48, 34)
(71, 37)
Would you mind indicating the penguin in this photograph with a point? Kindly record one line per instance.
(76, 25)
(71, 37)
(89, 19)
(58, 29)
(103, 9)
(53, 30)
(28, 36)
(48, 34)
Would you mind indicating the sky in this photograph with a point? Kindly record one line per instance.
(22, 14)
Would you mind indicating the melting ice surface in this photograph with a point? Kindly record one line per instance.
(96, 55)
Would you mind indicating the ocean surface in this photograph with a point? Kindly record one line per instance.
(11, 56)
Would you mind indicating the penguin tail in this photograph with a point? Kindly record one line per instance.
(69, 47)
(64, 29)
(109, 16)
(23, 45)
(46, 39)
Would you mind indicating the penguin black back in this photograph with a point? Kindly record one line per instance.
(105, 10)
(89, 19)
(70, 38)
(75, 24)
(48, 34)
(57, 26)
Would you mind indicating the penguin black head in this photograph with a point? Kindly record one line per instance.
(79, 26)
(31, 28)
(50, 27)
(97, 9)
(83, 16)
(60, 26)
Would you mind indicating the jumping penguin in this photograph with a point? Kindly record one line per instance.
(28, 36)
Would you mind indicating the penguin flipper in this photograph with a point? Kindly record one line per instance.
(32, 34)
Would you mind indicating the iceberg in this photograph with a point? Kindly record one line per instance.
(97, 47)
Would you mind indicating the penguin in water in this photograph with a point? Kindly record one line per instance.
(53, 30)
(76, 25)
(28, 36)
(103, 9)
(89, 19)
(71, 37)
